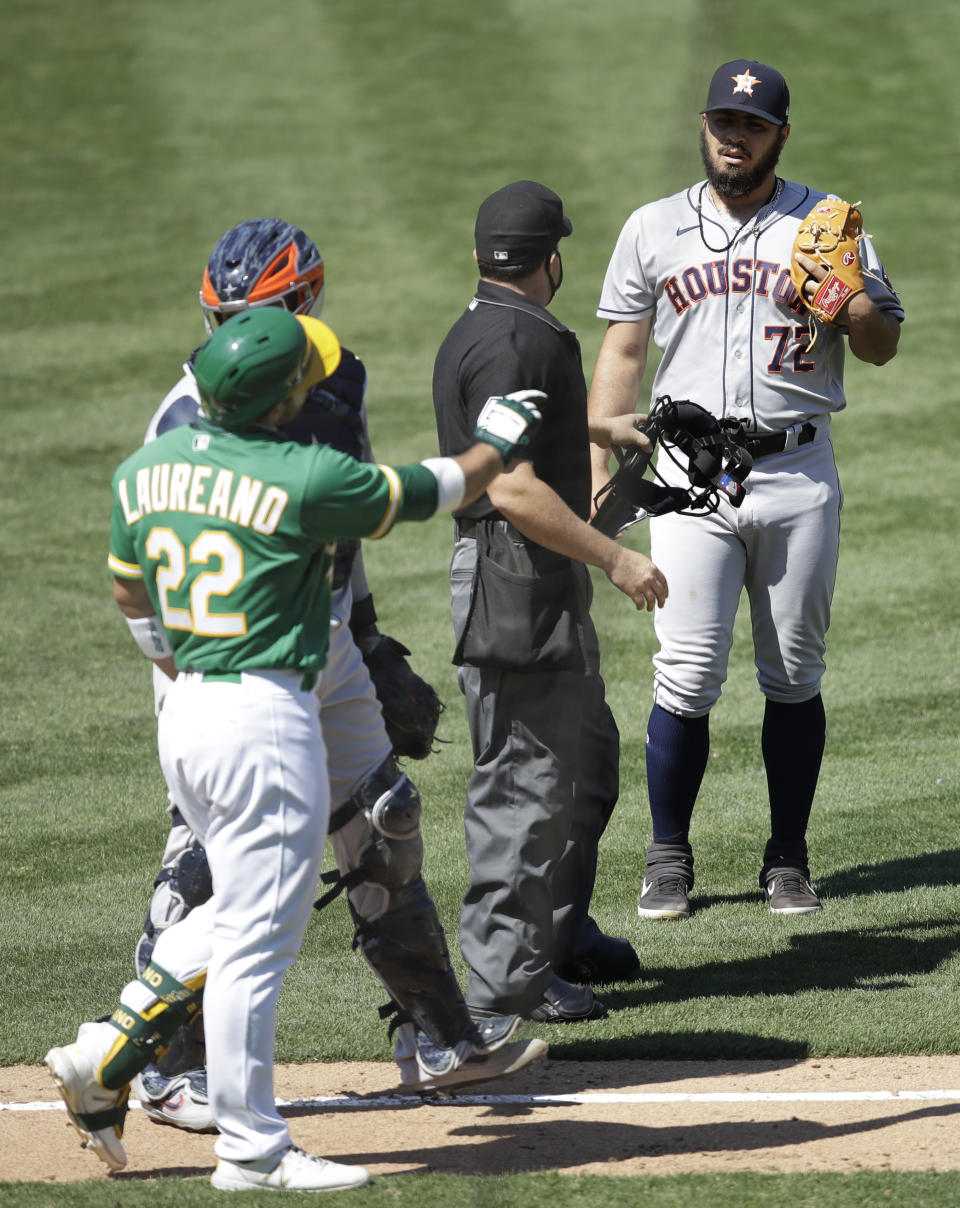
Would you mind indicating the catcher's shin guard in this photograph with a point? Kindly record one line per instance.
(377, 842)
(183, 883)
(144, 1035)
(379, 849)
(407, 950)
(186, 1050)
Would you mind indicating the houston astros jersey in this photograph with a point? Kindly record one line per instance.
(733, 332)
(233, 535)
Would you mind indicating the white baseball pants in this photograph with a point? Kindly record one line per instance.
(781, 546)
(246, 764)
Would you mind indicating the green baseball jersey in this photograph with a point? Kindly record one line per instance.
(233, 536)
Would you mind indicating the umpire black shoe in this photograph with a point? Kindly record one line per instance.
(566, 1003)
(609, 960)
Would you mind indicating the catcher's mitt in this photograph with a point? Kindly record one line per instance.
(830, 234)
(411, 708)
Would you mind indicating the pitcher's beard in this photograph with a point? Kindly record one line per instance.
(732, 183)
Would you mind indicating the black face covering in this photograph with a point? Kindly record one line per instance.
(559, 282)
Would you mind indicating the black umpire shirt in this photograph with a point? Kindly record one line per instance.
(505, 342)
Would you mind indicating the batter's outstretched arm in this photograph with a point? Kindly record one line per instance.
(480, 465)
(619, 371)
(463, 478)
(504, 428)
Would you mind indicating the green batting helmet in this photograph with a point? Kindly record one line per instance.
(258, 358)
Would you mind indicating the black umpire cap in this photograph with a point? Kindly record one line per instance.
(755, 87)
(522, 223)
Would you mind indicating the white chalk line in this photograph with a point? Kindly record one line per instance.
(354, 1103)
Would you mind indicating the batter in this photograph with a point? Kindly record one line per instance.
(269, 262)
(222, 543)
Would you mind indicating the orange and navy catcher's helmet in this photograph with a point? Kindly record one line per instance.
(262, 262)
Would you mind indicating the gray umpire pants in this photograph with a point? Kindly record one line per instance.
(546, 771)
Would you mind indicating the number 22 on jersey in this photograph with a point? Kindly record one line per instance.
(164, 546)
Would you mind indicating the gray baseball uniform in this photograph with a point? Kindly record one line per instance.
(734, 338)
(716, 293)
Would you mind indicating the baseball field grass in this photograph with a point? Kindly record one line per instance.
(561, 1191)
(134, 136)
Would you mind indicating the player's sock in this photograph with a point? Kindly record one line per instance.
(677, 750)
(792, 741)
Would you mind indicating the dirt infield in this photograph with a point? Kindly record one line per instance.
(841, 1114)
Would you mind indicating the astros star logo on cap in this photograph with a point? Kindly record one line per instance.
(745, 82)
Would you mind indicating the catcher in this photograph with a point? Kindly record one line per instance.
(375, 709)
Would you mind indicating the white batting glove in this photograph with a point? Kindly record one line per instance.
(510, 422)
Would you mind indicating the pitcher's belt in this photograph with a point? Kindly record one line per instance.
(777, 442)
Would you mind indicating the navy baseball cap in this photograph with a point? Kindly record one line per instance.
(520, 224)
(755, 87)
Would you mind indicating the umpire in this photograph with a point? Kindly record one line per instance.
(545, 744)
